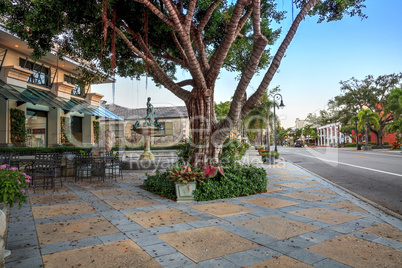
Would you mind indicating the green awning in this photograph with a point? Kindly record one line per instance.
(47, 98)
(8, 92)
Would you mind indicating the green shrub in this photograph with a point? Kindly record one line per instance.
(239, 180)
(44, 150)
(184, 151)
(160, 184)
(233, 150)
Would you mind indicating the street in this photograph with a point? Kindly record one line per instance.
(376, 176)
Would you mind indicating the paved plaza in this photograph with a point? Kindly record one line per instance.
(301, 221)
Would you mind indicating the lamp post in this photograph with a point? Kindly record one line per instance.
(357, 135)
(277, 95)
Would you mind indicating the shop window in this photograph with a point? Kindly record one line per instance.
(78, 90)
(76, 128)
(36, 124)
(41, 74)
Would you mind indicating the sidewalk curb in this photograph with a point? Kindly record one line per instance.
(374, 204)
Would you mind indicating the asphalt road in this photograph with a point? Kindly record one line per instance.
(376, 176)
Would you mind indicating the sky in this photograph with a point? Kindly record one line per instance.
(319, 57)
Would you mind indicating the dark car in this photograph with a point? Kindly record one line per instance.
(298, 144)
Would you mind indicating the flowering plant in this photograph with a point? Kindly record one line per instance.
(13, 184)
(185, 174)
(210, 171)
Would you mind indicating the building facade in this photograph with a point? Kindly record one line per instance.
(174, 121)
(41, 103)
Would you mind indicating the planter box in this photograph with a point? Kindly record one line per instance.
(185, 192)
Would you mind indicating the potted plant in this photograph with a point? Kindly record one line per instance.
(185, 179)
(269, 157)
(13, 184)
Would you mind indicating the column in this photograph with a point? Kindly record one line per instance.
(4, 122)
(53, 130)
(87, 130)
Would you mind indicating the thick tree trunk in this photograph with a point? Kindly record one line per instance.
(203, 127)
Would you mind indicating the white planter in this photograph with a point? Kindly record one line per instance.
(3, 221)
(185, 192)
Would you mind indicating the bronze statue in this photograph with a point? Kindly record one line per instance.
(150, 119)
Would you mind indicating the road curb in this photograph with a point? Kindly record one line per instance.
(374, 204)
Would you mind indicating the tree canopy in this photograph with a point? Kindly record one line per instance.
(157, 37)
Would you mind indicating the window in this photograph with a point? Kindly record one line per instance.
(167, 128)
(36, 124)
(41, 75)
(76, 127)
(78, 90)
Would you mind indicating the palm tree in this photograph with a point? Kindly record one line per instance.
(261, 117)
(366, 119)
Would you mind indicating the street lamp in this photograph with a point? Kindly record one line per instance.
(357, 135)
(277, 95)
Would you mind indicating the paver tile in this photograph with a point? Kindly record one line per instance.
(113, 193)
(116, 254)
(155, 218)
(270, 181)
(223, 209)
(312, 182)
(307, 196)
(278, 227)
(271, 189)
(126, 203)
(53, 198)
(49, 233)
(295, 185)
(282, 261)
(357, 252)
(270, 202)
(348, 205)
(49, 191)
(325, 215)
(100, 186)
(384, 230)
(61, 210)
(207, 243)
(326, 191)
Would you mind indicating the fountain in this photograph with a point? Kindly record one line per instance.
(148, 128)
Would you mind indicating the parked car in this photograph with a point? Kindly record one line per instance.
(298, 144)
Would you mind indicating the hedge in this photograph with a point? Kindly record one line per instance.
(239, 180)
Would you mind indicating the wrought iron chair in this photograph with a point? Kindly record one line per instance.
(87, 167)
(10, 158)
(113, 166)
(43, 173)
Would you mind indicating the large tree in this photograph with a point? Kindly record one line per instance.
(371, 93)
(155, 37)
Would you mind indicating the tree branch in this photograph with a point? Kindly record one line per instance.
(158, 74)
(156, 11)
(193, 65)
(252, 101)
(220, 54)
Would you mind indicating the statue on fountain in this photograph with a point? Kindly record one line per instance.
(150, 119)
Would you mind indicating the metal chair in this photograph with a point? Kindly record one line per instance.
(112, 165)
(43, 173)
(87, 166)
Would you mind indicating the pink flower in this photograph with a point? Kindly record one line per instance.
(19, 182)
(3, 166)
(14, 168)
(27, 177)
(27, 181)
(22, 191)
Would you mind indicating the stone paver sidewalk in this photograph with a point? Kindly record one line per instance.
(301, 221)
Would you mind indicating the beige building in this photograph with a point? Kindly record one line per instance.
(44, 95)
(174, 121)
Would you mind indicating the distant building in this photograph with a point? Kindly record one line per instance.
(45, 92)
(174, 121)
